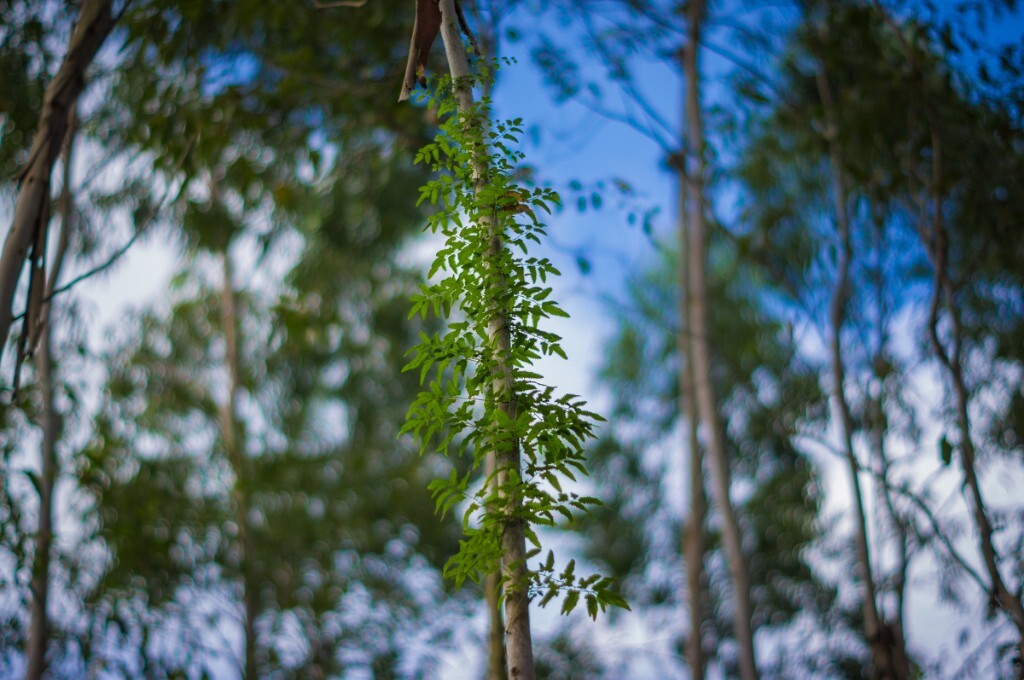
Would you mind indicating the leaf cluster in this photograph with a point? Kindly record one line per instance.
(480, 394)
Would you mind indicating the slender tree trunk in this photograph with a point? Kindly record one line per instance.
(95, 22)
(235, 449)
(49, 422)
(877, 634)
(693, 532)
(518, 642)
(492, 595)
(693, 529)
(496, 666)
(39, 630)
(952, 362)
(879, 428)
(700, 344)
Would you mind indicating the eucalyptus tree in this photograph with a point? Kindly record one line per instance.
(874, 104)
(623, 36)
(815, 189)
(50, 423)
(37, 123)
(889, 656)
(279, 491)
(26, 239)
(248, 95)
(963, 130)
(767, 393)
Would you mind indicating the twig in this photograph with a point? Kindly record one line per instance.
(917, 502)
(339, 3)
(139, 229)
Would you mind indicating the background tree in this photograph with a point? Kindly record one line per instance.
(767, 401)
(876, 139)
(337, 516)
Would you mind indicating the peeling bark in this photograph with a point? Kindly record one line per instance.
(28, 227)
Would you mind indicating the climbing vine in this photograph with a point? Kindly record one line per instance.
(479, 393)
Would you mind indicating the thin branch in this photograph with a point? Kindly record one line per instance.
(916, 500)
(139, 228)
(628, 119)
(760, 75)
(626, 86)
(339, 3)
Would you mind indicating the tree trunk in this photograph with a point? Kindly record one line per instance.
(693, 532)
(492, 596)
(496, 667)
(693, 529)
(49, 423)
(875, 631)
(518, 643)
(952, 362)
(878, 430)
(95, 22)
(235, 450)
(700, 344)
(39, 630)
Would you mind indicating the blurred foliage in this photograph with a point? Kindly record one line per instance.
(919, 139)
(29, 31)
(564, 657)
(767, 393)
(338, 508)
(270, 132)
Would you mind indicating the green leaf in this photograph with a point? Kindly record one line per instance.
(571, 598)
(945, 451)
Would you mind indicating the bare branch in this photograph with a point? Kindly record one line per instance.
(339, 3)
(139, 230)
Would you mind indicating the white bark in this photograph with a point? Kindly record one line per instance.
(693, 530)
(95, 22)
(700, 347)
(49, 422)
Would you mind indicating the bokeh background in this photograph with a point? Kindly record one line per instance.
(235, 238)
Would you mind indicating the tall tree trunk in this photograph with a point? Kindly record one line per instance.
(496, 663)
(39, 630)
(518, 642)
(879, 428)
(492, 596)
(94, 24)
(235, 449)
(693, 529)
(700, 344)
(943, 293)
(875, 631)
(693, 532)
(49, 422)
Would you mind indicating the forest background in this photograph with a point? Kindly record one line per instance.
(206, 417)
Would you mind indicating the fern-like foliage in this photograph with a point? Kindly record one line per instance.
(480, 394)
